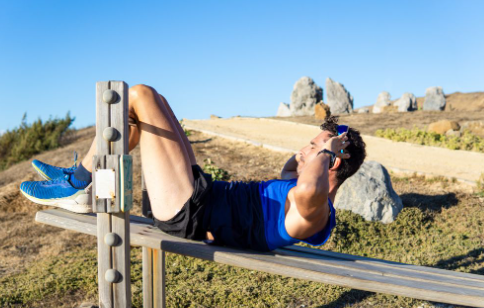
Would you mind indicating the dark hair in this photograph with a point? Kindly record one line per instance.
(356, 149)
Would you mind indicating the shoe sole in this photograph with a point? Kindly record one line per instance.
(66, 204)
(41, 173)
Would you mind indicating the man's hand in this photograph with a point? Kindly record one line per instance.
(289, 171)
(336, 144)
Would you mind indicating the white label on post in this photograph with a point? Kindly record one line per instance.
(105, 184)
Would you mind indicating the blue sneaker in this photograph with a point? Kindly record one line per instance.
(49, 172)
(59, 192)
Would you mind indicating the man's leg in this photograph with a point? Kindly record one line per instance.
(165, 160)
(166, 153)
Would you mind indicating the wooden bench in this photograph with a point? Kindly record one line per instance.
(293, 261)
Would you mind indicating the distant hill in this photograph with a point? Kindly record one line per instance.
(460, 101)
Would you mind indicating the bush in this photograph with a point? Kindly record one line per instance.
(468, 141)
(186, 131)
(217, 173)
(480, 185)
(27, 140)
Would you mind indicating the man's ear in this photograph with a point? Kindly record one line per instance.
(337, 163)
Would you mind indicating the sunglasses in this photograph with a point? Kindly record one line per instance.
(342, 129)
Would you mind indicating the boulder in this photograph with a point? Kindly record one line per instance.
(382, 101)
(214, 117)
(434, 99)
(408, 102)
(321, 111)
(453, 133)
(442, 126)
(283, 110)
(369, 193)
(305, 95)
(339, 99)
(364, 110)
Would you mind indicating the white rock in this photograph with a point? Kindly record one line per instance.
(408, 102)
(283, 110)
(369, 193)
(305, 95)
(434, 99)
(339, 99)
(382, 101)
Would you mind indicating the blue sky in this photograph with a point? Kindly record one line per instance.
(230, 57)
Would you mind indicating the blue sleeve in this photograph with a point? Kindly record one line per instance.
(321, 237)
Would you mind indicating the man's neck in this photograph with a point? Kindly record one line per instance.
(332, 192)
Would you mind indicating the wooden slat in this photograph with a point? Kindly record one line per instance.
(102, 116)
(381, 263)
(378, 269)
(104, 260)
(158, 278)
(346, 276)
(119, 117)
(121, 261)
(147, 277)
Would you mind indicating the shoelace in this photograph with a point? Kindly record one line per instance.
(72, 169)
(59, 180)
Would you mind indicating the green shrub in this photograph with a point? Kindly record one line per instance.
(480, 185)
(217, 173)
(29, 139)
(468, 141)
(186, 131)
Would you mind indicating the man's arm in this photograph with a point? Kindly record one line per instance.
(308, 202)
(312, 189)
(289, 171)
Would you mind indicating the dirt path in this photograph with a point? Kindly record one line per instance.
(397, 156)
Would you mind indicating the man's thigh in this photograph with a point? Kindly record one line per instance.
(165, 161)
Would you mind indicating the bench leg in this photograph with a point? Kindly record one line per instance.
(153, 278)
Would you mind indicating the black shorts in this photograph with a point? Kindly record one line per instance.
(188, 222)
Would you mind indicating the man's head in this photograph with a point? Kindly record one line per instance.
(344, 168)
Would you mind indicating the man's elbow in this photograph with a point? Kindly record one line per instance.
(311, 193)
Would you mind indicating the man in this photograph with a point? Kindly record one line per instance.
(187, 203)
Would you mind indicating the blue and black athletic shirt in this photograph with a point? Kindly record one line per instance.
(273, 198)
(252, 215)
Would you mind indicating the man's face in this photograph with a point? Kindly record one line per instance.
(310, 151)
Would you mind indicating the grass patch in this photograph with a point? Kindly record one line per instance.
(186, 131)
(27, 140)
(439, 230)
(480, 185)
(468, 141)
(218, 174)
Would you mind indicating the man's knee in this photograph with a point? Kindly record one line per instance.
(140, 90)
(141, 94)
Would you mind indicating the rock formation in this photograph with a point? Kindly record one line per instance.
(305, 95)
(321, 111)
(369, 193)
(434, 99)
(283, 110)
(408, 102)
(339, 99)
(382, 101)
